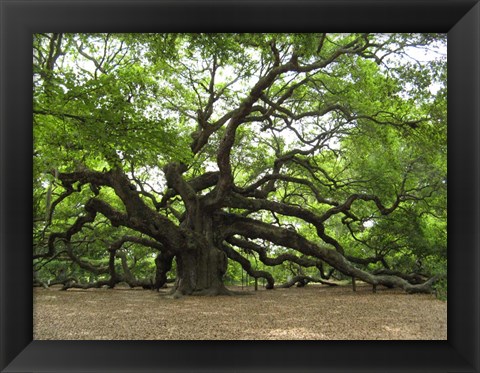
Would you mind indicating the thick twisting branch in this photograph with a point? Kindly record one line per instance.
(251, 228)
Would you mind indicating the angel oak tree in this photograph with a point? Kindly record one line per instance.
(314, 149)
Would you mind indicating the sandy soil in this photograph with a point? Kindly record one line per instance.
(310, 313)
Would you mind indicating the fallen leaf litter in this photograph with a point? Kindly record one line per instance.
(314, 312)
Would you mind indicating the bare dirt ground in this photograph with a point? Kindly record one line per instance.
(312, 313)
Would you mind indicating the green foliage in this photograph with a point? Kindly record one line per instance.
(441, 289)
(375, 119)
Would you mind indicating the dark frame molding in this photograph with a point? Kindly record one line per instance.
(20, 18)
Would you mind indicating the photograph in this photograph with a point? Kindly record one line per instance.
(239, 186)
(218, 186)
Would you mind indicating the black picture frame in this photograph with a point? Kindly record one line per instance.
(20, 19)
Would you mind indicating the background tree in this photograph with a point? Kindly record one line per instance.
(172, 155)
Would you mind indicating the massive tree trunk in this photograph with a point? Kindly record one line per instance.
(200, 271)
(200, 264)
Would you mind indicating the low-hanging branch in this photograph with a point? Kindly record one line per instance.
(283, 237)
(301, 281)
(246, 265)
(265, 259)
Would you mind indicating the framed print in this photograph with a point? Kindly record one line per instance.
(21, 20)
